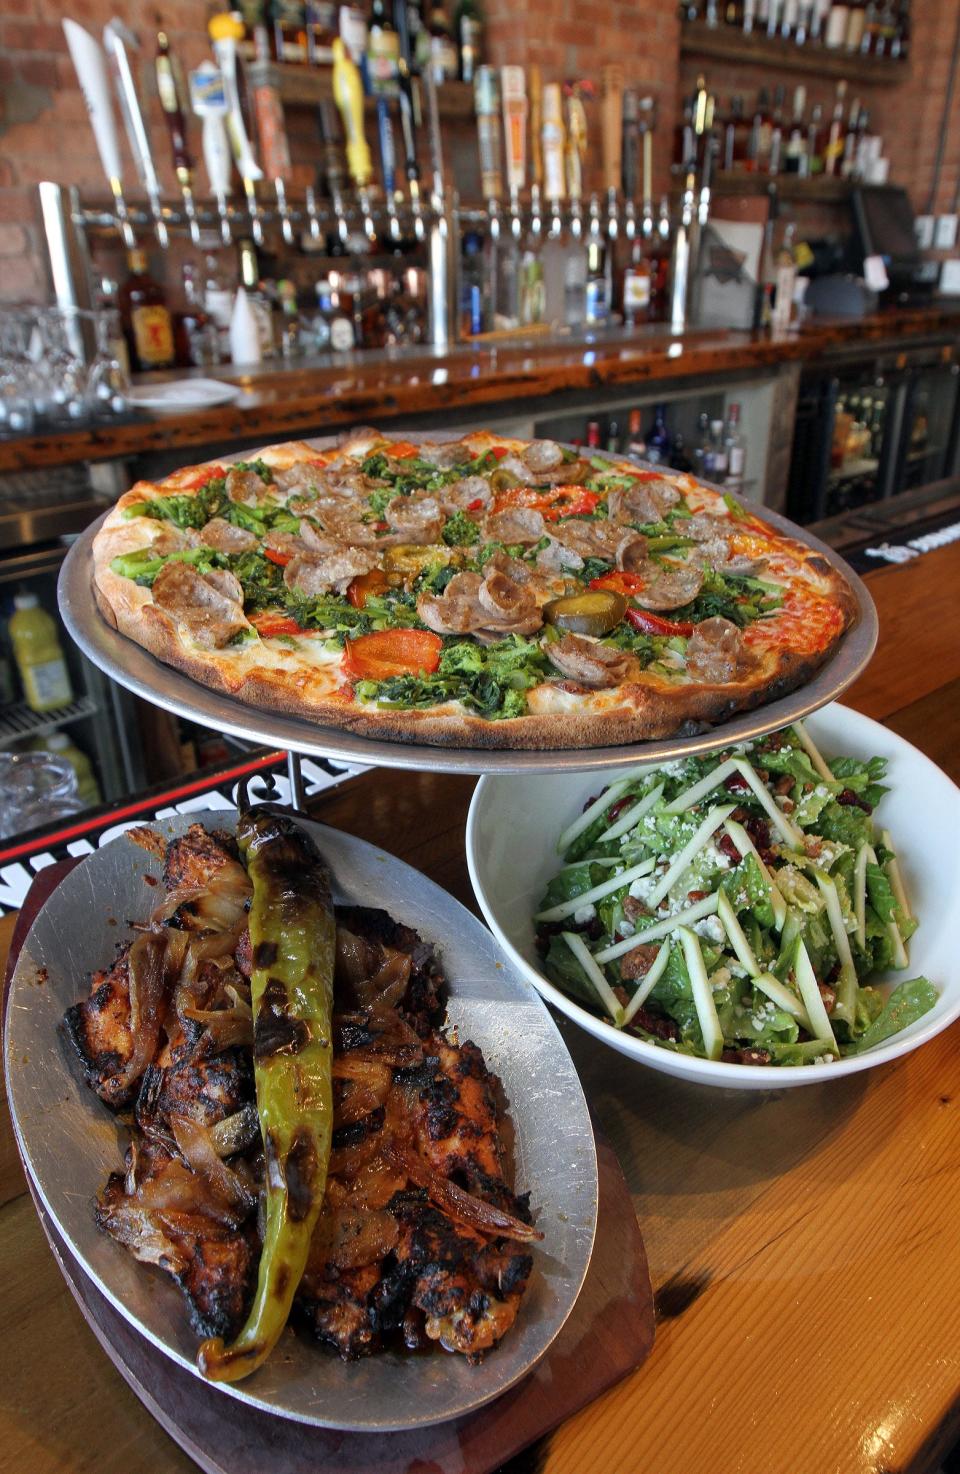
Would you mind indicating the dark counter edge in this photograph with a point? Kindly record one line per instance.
(300, 401)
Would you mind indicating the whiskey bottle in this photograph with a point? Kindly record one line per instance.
(146, 317)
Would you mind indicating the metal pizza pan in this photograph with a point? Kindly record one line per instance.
(69, 1141)
(133, 667)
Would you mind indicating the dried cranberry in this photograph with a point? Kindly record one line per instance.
(727, 847)
(617, 809)
(655, 1023)
(759, 831)
(852, 800)
(591, 800)
(736, 783)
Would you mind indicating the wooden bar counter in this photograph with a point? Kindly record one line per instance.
(286, 403)
(803, 1245)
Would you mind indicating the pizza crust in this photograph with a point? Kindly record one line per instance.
(637, 712)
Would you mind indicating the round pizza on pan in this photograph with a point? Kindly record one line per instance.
(483, 592)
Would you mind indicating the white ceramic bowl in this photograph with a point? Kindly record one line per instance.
(512, 831)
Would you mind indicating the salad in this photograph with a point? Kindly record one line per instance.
(735, 906)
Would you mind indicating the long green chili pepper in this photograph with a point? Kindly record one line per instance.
(292, 935)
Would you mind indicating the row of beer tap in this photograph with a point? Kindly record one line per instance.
(532, 139)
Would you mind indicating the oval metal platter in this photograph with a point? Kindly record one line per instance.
(69, 1141)
(133, 667)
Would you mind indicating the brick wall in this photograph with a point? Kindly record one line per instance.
(44, 132)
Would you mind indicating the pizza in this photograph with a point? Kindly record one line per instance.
(481, 592)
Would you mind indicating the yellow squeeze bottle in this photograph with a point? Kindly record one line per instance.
(36, 649)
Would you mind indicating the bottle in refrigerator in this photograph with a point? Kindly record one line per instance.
(60, 743)
(39, 655)
(636, 444)
(659, 444)
(736, 450)
(718, 470)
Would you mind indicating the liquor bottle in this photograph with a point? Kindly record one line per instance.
(597, 308)
(256, 296)
(444, 61)
(321, 25)
(849, 157)
(776, 131)
(762, 132)
(730, 142)
(593, 434)
(736, 450)
(146, 319)
(468, 24)
(636, 444)
(900, 46)
(835, 35)
(812, 161)
(637, 284)
(196, 336)
(767, 277)
(679, 459)
(871, 29)
(773, 16)
(833, 152)
(749, 15)
(288, 23)
(660, 250)
(218, 299)
(886, 29)
(613, 437)
(659, 443)
(703, 451)
(804, 22)
(818, 20)
(795, 153)
(786, 277)
(718, 467)
(472, 287)
(383, 48)
(788, 19)
(856, 22)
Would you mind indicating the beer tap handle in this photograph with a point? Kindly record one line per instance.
(117, 41)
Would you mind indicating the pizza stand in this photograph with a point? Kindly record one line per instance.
(218, 1433)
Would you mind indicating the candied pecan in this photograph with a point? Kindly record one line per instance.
(783, 784)
(638, 961)
(829, 996)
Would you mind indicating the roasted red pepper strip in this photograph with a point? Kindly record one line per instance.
(553, 503)
(272, 556)
(385, 653)
(275, 624)
(652, 624)
(620, 583)
(204, 477)
(365, 584)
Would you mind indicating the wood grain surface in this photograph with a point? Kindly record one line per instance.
(803, 1246)
(284, 404)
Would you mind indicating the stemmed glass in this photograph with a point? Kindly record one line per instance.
(108, 383)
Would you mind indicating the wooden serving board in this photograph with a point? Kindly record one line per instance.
(608, 1335)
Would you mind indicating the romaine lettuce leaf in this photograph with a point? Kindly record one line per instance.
(908, 1002)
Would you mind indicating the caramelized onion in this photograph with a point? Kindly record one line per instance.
(456, 1201)
(196, 1145)
(178, 1190)
(147, 975)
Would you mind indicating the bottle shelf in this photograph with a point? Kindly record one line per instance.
(19, 722)
(822, 189)
(729, 43)
(304, 86)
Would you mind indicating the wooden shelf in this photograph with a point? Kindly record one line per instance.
(821, 189)
(304, 86)
(729, 43)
